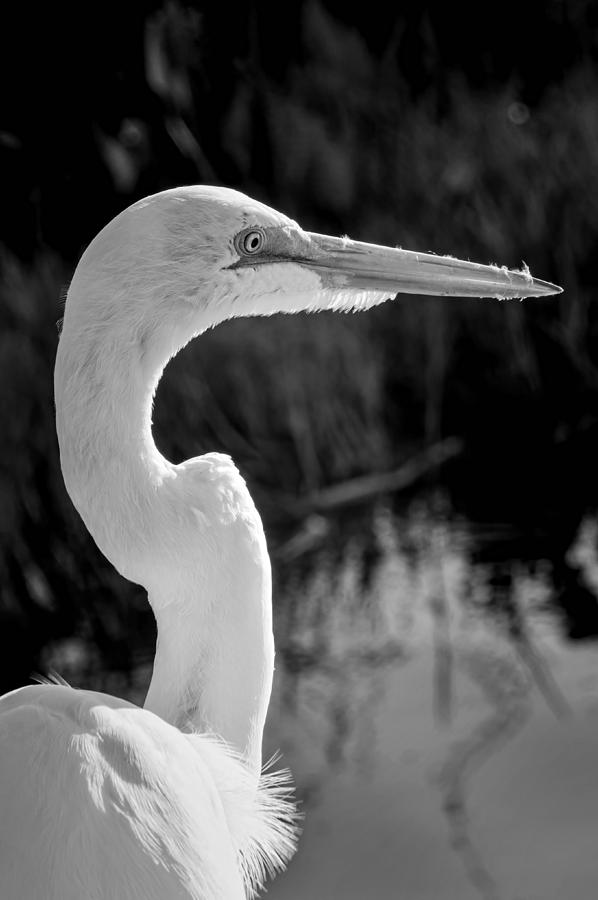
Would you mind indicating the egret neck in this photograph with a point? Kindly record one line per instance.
(189, 533)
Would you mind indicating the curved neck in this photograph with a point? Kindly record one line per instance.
(206, 570)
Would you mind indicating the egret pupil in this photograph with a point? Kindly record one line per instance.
(252, 242)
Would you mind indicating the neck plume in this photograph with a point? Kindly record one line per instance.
(190, 534)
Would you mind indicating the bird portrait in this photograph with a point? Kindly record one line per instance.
(102, 798)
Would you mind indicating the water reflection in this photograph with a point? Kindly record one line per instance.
(442, 731)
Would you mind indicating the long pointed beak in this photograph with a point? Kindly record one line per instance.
(353, 264)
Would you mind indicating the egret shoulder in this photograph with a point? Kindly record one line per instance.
(105, 781)
(216, 490)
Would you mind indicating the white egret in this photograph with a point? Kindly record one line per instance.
(101, 799)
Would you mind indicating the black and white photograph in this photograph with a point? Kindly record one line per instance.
(298, 450)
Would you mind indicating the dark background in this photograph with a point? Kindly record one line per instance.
(470, 130)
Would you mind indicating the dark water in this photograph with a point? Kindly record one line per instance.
(441, 725)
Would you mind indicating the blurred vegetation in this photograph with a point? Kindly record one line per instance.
(459, 130)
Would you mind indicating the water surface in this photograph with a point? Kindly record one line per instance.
(441, 726)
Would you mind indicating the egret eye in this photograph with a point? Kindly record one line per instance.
(250, 242)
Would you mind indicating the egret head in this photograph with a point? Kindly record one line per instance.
(187, 258)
